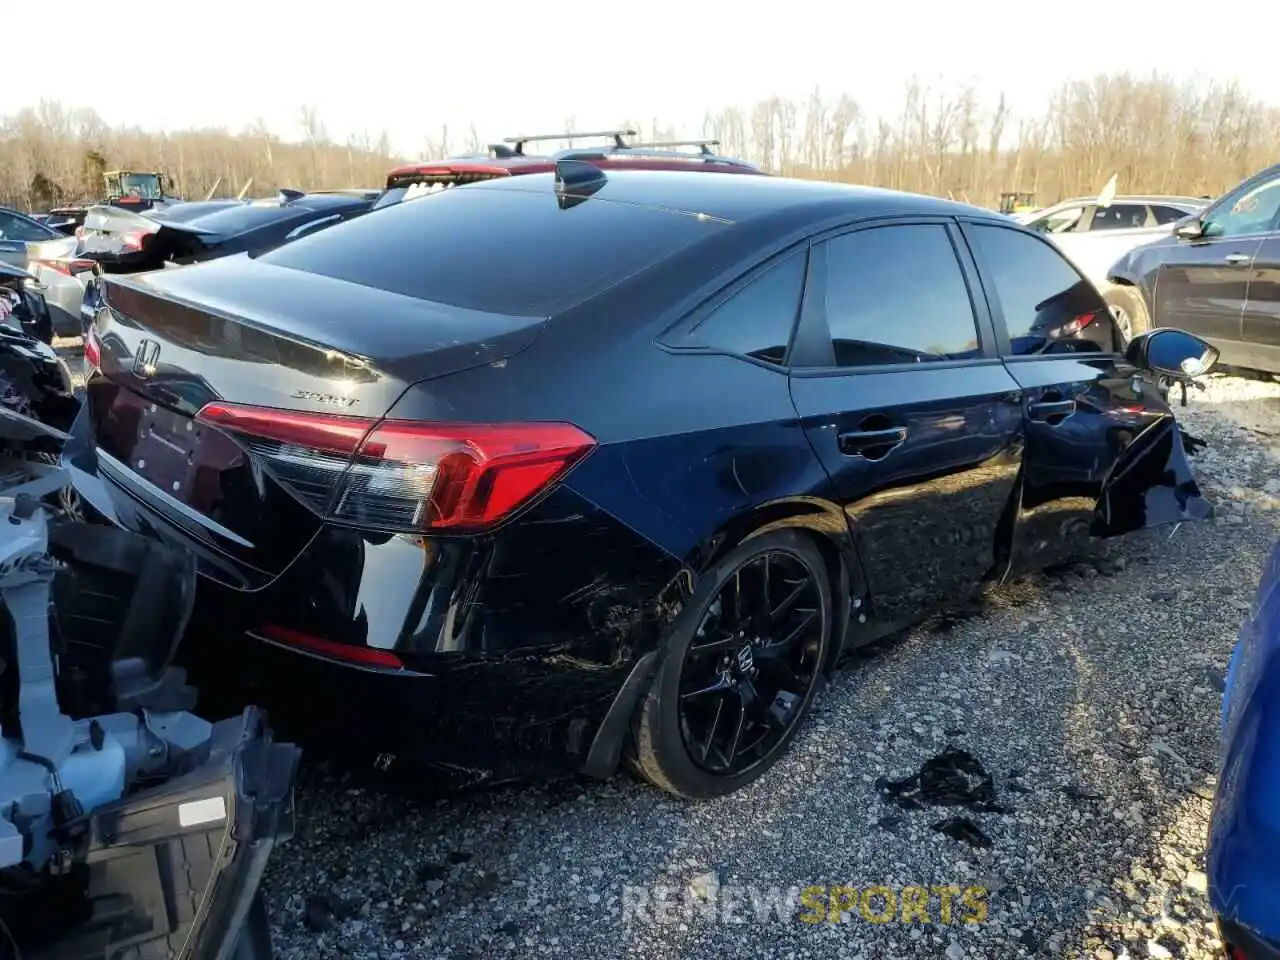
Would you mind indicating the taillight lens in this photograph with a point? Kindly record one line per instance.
(134, 239)
(68, 268)
(92, 350)
(405, 476)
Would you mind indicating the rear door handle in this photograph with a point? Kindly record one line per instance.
(1053, 411)
(871, 444)
(1235, 259)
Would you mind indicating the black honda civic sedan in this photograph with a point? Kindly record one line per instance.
(595, 469)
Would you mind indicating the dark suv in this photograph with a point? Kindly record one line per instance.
(508, 159)
(1216, 275)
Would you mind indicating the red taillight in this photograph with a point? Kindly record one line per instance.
(92, 350)
(1073, 326)
(405, 476)
(134, 239)
(68, 268)
(350, 653)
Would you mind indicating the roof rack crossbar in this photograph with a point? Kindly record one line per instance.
(703, 145)
(617, 136)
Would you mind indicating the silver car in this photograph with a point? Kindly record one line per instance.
(51, 259)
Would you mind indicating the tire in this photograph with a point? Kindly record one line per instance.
(1129, 310)
(704, 674)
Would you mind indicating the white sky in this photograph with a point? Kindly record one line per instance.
(515, 66)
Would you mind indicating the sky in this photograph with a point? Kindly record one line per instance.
(513, 67)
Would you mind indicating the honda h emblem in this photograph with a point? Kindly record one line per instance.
(145, 360)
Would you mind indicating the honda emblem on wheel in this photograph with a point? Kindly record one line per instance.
(145, 360)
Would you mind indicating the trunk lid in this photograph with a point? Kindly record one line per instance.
(245, 332)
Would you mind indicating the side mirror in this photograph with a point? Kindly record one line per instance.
(1189, 228)
(1171, 353)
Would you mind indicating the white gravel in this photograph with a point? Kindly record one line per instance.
(1091, 695)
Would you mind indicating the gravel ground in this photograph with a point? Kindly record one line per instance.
(1091, 696)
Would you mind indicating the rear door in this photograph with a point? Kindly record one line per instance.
(1088, 427)
(902, 397)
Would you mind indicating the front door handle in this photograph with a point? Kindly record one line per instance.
(1051, 411)
(871, 444)
(1235, 259)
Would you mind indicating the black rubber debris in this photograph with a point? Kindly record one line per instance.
(1079, 793)
(889, 823)
(964, 830)
(1192, 444)
(954, 778)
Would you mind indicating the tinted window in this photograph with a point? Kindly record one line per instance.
(1120, 216)
(758, 319)
(506, 249)
(14, 227)
(1166, 215)
(229, 221)
(1048, 307)
(896, 295)
(1246, 213)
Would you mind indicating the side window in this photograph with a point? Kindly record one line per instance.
(896, 294)
(1066, 220)
(758, 319)
(1167, 215)
(1120, 216)
(27, 231)
(1048, 307)
(1251, 212)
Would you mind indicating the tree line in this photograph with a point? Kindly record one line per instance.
(1159, 134)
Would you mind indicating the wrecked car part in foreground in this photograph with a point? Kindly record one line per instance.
(1244, 831)
(623, 486)
(128, 824)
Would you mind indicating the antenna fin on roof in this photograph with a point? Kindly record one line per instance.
(576, 181)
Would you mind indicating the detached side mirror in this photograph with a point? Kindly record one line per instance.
(1189, 228)
(1175, 354)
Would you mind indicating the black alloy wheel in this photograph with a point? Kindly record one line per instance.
(741, 667)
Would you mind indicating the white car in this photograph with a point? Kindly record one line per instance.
(1094, 234)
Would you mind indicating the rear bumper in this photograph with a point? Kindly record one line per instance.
(497, 657)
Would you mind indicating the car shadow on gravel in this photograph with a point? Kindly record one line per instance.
(1089, 693)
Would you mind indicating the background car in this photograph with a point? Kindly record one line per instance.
(529, 478)
(1095, 232)
(50, 257)
(1217, 275)
(509, 159)
(1244, 833)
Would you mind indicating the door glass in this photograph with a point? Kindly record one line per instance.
(1048, 306)
(1167, 215)
(757, 320)
(896, 295)
(1066, 220)
(1252, 212)
(20, 228)
(1120, 216)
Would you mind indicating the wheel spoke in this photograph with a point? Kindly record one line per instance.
(712, 646)
(773, 649)
(722, 683)
(784, 608)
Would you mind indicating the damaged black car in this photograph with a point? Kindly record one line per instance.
(129, 824)
(594, 469)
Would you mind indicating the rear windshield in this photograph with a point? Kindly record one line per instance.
(246, 216)
(506, 249)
